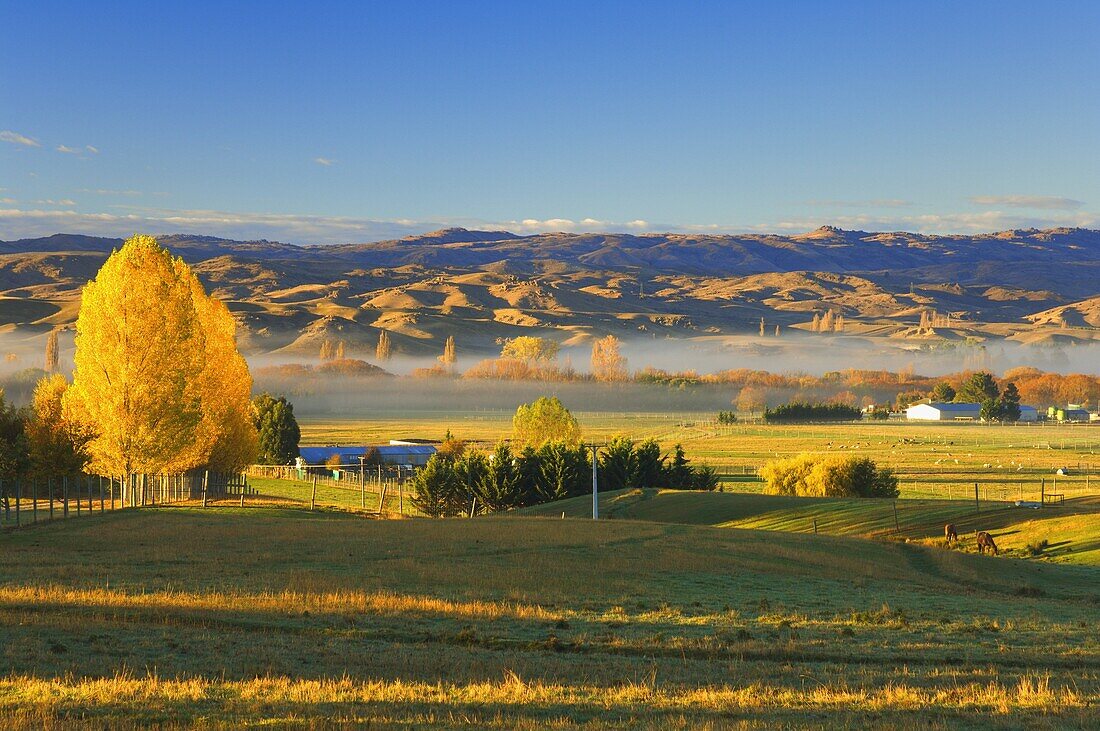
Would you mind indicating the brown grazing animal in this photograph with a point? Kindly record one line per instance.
(986, 541)
(950, 534)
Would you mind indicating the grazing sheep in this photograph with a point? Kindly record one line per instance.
(950, 534)
(986, 541)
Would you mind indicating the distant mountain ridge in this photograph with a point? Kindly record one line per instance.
(825, 249)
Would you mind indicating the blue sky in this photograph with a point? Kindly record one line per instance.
(358, 121)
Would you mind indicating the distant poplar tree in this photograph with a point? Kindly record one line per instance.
(761, 327)
(51, 352)
(383, 352)
(340, 350)
(449, 356)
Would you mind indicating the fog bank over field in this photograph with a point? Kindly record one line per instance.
(317, 394)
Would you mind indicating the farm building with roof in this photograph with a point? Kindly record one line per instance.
(416, 455)
(940, 411)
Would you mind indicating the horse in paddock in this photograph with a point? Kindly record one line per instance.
(950, 534)
(986, 541)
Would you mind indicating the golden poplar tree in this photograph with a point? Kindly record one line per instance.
(340, 350)
(51, 352)
(226, 439)
(383, 352)
(159, 382)
(139, 361)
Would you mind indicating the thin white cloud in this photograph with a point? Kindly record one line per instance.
(870, 203)
(8, 201)
(17, 139)
(56, 202)
(110, 191)
(1041, 202)
(67, 150)
(326, 161)
(306, 229)
(92, 149)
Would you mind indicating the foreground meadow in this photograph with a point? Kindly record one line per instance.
(274, 616)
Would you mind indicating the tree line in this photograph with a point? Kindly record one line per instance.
(800, 411)
(460, 482)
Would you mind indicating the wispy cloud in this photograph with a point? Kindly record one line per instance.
(121, 220)
(17, 139)
(326, 161)
(92, 149)
(869, 203)
(1042, 202)
(67, 150)
(56, 202)
(110, 191)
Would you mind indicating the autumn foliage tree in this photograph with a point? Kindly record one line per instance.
(530, 349)
(545, 420)
(158, 381)
(55, 445)
(607, 363)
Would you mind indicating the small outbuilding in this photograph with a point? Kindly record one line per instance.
(414, 455)
(1028, 413)
(943, 411)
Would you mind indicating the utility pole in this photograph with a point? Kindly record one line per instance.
(595, 484)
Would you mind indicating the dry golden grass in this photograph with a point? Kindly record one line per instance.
(269, 617)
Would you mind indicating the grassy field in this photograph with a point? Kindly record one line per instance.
(277, 616)
(1071, 530)
(932, 460)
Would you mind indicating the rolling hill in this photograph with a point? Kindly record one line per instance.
(1034, 286)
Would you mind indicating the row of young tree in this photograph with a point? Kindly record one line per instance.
(799, 411)
(458, 482)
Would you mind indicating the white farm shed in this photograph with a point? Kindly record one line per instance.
(943, 412)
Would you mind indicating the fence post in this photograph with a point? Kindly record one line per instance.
(205, 480)
(815, 526)
(313, 497)
(100, 478)
(34, 497)
(977, 506)
(18, 495)
(64, 497)
(78, 497)
(897, 528)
